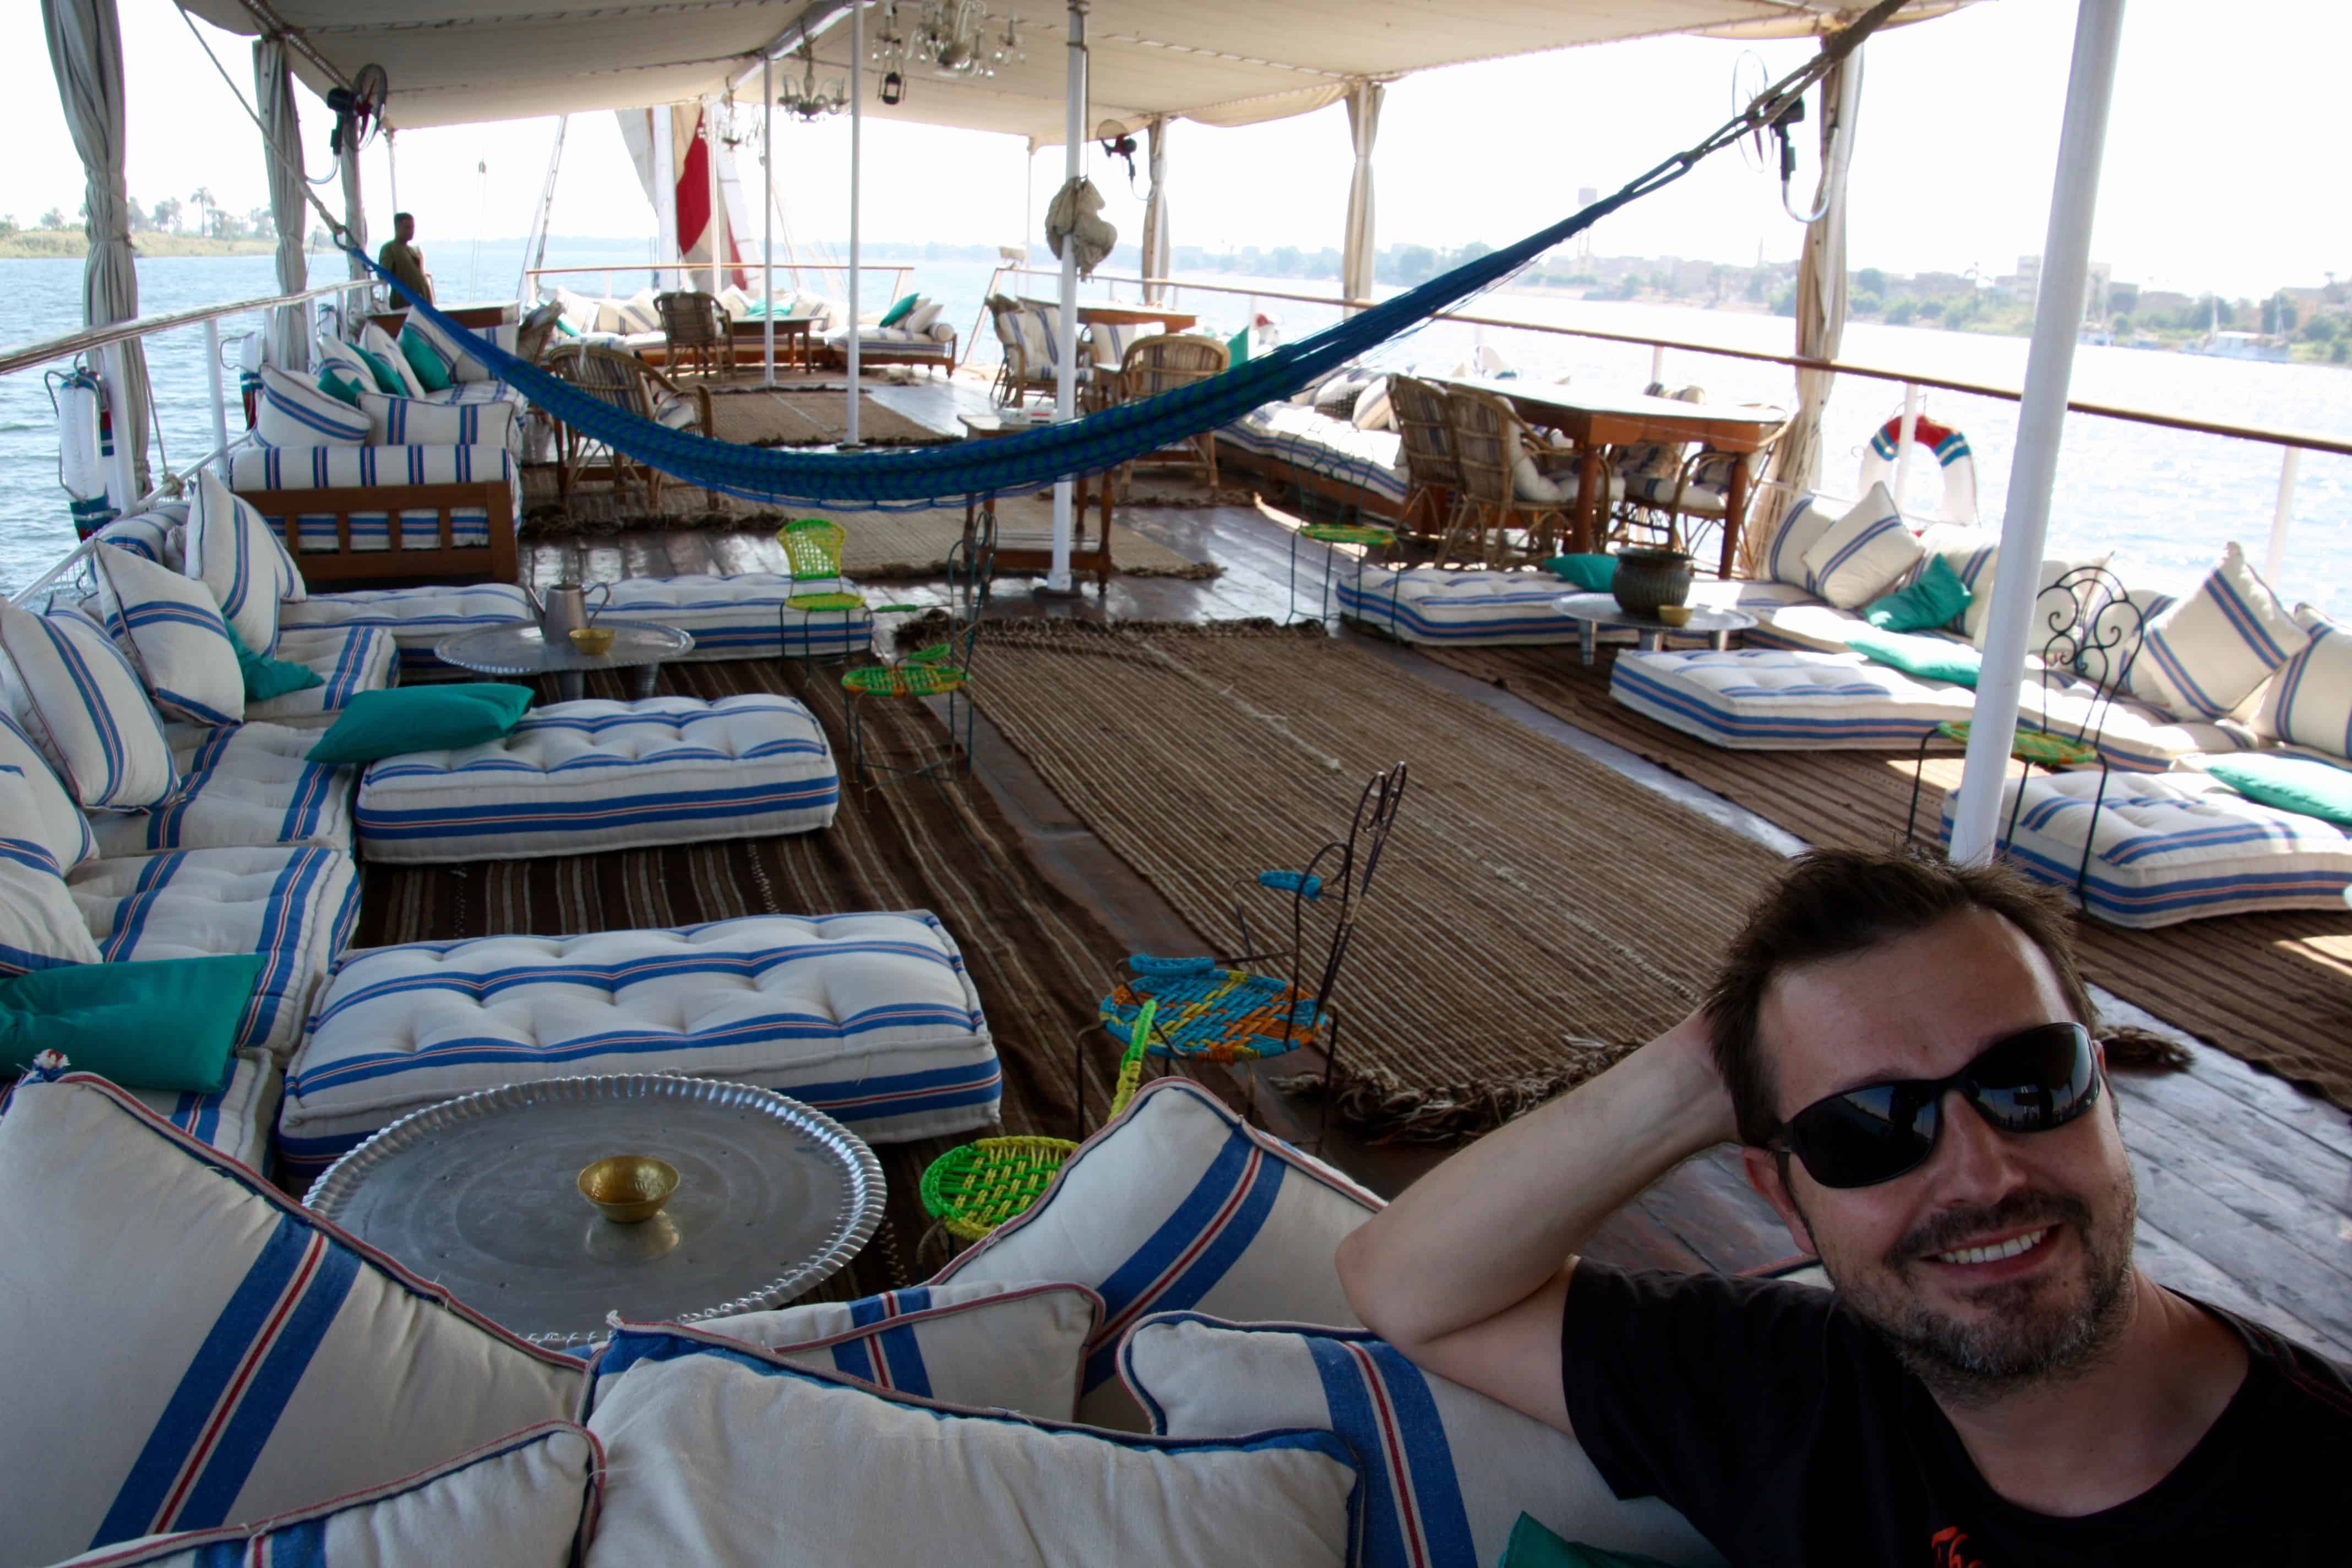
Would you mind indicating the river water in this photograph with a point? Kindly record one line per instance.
(2163, 501)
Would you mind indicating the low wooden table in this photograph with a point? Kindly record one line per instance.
(1027, 552)
(795, 349)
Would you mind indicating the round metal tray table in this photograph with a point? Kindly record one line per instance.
(524, 650)
(477, 1194)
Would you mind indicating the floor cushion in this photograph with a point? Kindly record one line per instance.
(417, 619)
(235, 1119)
(2173, 846)
(245, 787)
(1447, 1470)
(1180, 1203)
(575, 777)
(526, 1499)
(66, 686)
(39, 809)
(720, 1453)
(1458, 609)
(349, 660)
(1786, 616)
(1782, 699)
(867, 1018)
(174, 634)
(295, 907)
(743, 617)
(247, 1358)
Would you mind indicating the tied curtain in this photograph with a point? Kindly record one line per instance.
(1364, 127)
(1156, 248)
(273, 91)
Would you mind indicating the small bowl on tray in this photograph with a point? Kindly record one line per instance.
(628, 1188)
(594, 641)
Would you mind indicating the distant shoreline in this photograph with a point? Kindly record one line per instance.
(72, 244)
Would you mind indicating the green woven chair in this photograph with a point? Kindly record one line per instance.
(938, 669)
(973, 1188)
(813, 550)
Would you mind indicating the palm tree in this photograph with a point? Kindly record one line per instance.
(204, 205)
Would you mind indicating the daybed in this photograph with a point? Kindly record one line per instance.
(1325, 455)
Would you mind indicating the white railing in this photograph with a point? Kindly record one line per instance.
(685, 272)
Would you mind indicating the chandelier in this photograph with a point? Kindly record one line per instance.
(953, 37)
(803, 101)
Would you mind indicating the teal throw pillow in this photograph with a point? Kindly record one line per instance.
(161, 1023)
(421, 719)
(1930, 658)
(1532, 1545)
(1935, 598)
(387, 378)
(2304, 785)
(1593, 574)
(334, 386)
(899, 311)
(265, 677)
(1237, 348)
(431, 371)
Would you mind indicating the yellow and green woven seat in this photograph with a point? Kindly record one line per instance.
(1350, 533)
(922, 674)
(2040, 747)
(974, 1187)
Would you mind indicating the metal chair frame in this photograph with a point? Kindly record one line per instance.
(943, 669)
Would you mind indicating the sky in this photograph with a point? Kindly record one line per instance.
(2211, 180)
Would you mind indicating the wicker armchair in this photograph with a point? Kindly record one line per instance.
(1031, 336)
(1489, 441)
(700, 332)
(1163, 363)
(537, 330)
(1433, 478)
(634, 387)
(1664, 485)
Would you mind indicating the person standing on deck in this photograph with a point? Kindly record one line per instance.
(1903, 1048)
(401, 257)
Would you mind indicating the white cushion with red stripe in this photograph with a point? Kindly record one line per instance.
(208, 1351)
(1447, 1471)
(248, 787)
(1180, 1203)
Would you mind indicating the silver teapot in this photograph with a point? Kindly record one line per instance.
(564, 607)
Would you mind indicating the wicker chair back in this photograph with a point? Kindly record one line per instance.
(1427, 439)
(1488, 438)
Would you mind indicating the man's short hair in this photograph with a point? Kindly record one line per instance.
(404, 217)
(1833, 903)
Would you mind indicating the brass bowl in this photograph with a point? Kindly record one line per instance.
(1675, 614)
(627, 1188)
(594, 641)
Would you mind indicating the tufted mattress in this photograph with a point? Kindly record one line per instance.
(576, 777)
(249, 786)
(868, 1017)
(417, 619)
(2176, 846)
(1459, 609)
(1780, 699)
(235, 1118)
(744, 616)
(349, 660)
(294, 907)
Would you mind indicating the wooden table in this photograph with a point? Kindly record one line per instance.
(1026, 552)
(794, 350)
(1135, 315)
(1597, 420)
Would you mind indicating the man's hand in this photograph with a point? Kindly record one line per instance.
(1468, 1271)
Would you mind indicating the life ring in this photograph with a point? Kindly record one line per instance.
(1951, 449)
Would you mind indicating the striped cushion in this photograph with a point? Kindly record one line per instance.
(1372, 460)
(1015, 1350)
(248, 787)
(378, 341)
(293, 907)
(526, 1499)
(156, 535)
(461, 367)
(277, 1359)
(2309, 700)
(343, 468)
(1801, 528)
(69, 688)
(575, 777)
(1974, 556)
(330, 353)
(1460, 609)
(173, 631)
(744, 616)
(1862, 555)
(1180, 1203)
(459, 393)
(38, 807)
(39, 926)
(347, 660)
(292, 412)
(2173, 847)
(1776, 700)
(696, 1426)
(417, 619)
(412, 422)
(1447, 1471)
(2206, 653)
(230, 549)
(236, 1118)
(868, 1017)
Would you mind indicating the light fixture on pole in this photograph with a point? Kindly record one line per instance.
(802, 102)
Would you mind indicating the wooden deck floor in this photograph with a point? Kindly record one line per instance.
(2245, 1182)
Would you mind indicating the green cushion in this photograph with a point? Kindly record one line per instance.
(566, 328)
(899, 311)
(162, 1023)
(387, 378)
(425, 360)
(1593, 574)
(1237, 348)
(334, 386)
(1931, 659)
(1531, 1545)
(421, 719)
(265, 677)
(2304, 785)
(1935, 598)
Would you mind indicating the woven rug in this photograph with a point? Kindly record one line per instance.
(2272, 989)
(759, 417)
(1040, 962)
(1536, 914)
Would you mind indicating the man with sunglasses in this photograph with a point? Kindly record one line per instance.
(1903, 1049)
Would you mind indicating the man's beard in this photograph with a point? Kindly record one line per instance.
(2040, 1330)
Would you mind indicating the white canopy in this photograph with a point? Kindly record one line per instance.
(1223, 62)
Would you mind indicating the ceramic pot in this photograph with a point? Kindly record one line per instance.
(1649, 578)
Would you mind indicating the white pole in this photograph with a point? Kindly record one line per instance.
(710, 167)
(1908, 438)
(1066, 377)
(2274, 559)
(1657, 359)
(392, 167)
(856, 131)
(768, 220)
(665, 190)
(2025, 523)
(212, 383)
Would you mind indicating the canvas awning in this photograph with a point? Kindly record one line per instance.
(1221, 62)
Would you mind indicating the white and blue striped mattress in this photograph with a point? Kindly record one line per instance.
(575, 777)
(416, 619)
(253, 470)
(1780, 699)
(235, 1118)
(244, 786)
(347, 660)
(1459, 609)
(1370, 459)
(744, 616)
(870, 1018)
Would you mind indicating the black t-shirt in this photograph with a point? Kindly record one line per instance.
(1788, 1433)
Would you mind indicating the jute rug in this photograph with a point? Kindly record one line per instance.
(1537, 913)
(758, 417)
(1040, 961)
(2272, 989)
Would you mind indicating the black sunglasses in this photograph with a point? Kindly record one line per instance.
(2030, 1081)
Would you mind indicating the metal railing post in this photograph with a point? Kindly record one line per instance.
(212, 381)
(1906, 439)
(2281, 517)
(1657, 364)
